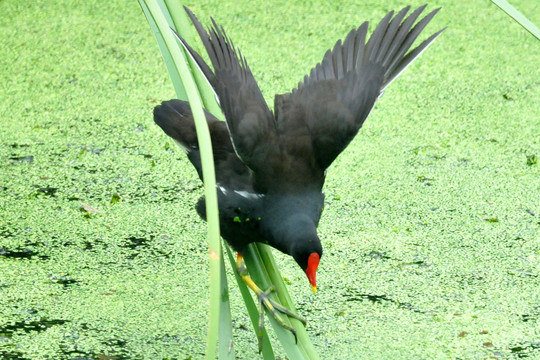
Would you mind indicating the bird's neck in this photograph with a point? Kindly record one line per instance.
(291, 218)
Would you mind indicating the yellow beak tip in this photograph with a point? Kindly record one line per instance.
(314, 288)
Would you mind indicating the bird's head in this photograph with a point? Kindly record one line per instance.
(296, 234)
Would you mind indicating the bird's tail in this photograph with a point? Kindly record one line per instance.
(176, 120)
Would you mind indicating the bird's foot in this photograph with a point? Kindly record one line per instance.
(265, 301)
(275, 309)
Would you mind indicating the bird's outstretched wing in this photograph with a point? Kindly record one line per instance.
(336, 97)
(250, 122)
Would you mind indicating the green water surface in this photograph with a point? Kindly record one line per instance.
(432, 216)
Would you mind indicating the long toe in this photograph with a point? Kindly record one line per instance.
(275, 309)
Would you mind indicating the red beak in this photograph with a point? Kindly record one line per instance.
(312, 265)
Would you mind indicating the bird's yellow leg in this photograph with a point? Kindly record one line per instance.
(265, 302)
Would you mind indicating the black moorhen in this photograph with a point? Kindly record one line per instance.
(270, 167)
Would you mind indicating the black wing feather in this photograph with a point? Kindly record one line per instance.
(250, 122)
(375, 40)
(339, 93)
(390, 33)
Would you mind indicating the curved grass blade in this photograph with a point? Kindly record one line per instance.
(179, 21)
(225, 342)
(253, 312)
(155, 14)
(165, 52)
(518, 17)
